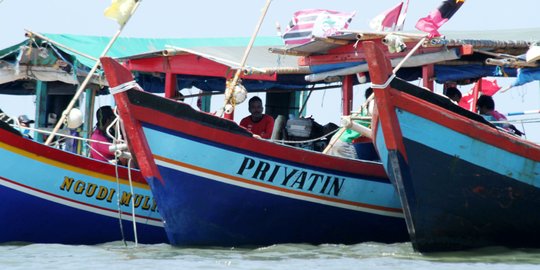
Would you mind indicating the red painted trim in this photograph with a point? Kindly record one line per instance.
(40, 150)
(347, 94)
(476, 94)
(466, 49)
(466, 126)
(170, 85)
(347, 53)
(116, 75)
(380, 70)
(428, 74)
(189, 64)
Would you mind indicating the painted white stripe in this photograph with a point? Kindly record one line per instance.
(276, 192)
(112, 213)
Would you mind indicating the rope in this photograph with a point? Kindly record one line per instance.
(385, 84)
(132, 204)
(124, 87)
(308, 141)
(118, 205)
(117, 155)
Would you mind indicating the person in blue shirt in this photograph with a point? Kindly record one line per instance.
(25, 122)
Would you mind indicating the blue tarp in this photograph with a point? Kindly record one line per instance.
(526, 75)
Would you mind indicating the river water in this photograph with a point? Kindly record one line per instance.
(116, 255)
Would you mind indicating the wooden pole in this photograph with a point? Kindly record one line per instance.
(232, 84)
(87, 79)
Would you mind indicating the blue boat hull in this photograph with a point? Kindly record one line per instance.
(459, 192)
(459, 204)
(203, 212)
(462, 182)
(52, 196)
(27, 218)
(209, 197)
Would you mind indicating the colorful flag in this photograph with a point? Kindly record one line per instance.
(402, 16)
(120, 10)
(388, 18)
(438, 17)
(489, 88)
(315, 22)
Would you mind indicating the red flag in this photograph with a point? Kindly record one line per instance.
(315, 22)
(466, 101)
(386, 19)
(438, 17)
(489, 88)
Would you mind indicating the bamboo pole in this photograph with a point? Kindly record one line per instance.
(230, 86)
(87, 79)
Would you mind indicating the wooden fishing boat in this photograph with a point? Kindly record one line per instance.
(463, 182)
(54, 196)
(216, 185)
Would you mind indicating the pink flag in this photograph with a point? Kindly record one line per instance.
(386, 19)
(315, 22)
(438, 17)
(402, 16)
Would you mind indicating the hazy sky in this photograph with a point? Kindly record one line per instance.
(215, 18)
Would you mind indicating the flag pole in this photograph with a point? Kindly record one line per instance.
(88, 77)
(232, 84)
(402, 17)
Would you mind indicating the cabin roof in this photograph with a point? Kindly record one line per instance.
(54, 58)
(457, 56)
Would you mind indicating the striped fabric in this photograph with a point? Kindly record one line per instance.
(315, 22)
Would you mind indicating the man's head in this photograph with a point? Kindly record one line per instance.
(485, 104)
(256, 109)
(453, 93)
(368, 92)
(24, 120)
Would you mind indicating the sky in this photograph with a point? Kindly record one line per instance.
(237, 18)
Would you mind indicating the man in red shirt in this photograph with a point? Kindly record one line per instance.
(258, 123)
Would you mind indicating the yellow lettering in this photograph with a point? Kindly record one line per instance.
(126, 197)
(138, 200)
(79, 187)
(111, 194)
(91, 190)
(66, 185)
(145, 205)
(102, 193)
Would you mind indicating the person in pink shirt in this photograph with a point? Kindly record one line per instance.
(100, 151)
(486, 107)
